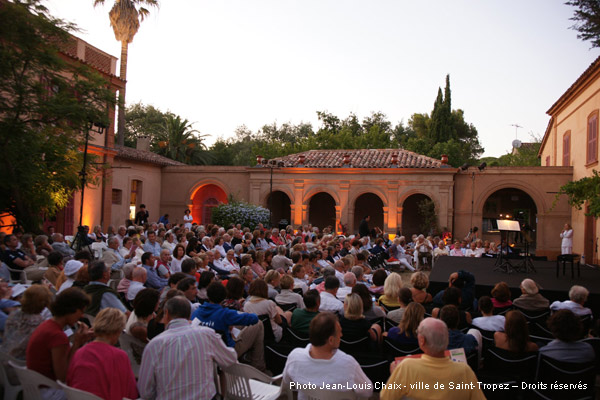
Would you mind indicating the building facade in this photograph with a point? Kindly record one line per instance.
(571, 140)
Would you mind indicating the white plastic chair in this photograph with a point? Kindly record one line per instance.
(244, 382)
(98, 248)
(77, 394)
(11, 389)
(31, 382)
(126, 341)
(22, 276)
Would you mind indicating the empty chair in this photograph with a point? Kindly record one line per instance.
(244, 382)
(355, 346)
(18, 276)
(393, 349)
(11, 386)
(276, 355)
(76, 394)
(33, 382)
(295, 338)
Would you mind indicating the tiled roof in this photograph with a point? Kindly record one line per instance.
(371, 158)
(588, 73)
(144, 156)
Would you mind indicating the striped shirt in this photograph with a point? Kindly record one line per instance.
(178, 363)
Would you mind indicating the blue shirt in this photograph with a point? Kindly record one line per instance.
(457, 339)
(153, 280)
(220, 319)
(152, 248)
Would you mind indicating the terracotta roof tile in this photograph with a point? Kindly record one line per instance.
(144, 156)
(364, 158)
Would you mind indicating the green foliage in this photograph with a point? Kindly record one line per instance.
(237, 212)
(170, 135)
(426, 209)
(445, 132)
(524, 156)
(584, 190)
(587, 20)
(45, 104)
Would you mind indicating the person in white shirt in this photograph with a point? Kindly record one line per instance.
(178, 257)
(349, 283)
(566, 235)
(169, 242)
(329, 301)
(489, 321)
(138, 278)
(298, 274)
(340, 270)
(219, 246)
(229, 263)
(577, 297)
(321, 362)
(471, 252)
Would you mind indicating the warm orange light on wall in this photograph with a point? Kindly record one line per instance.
(88, 215)
(392, 236)
(7, 220)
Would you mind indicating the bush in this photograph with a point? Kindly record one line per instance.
(237, 212)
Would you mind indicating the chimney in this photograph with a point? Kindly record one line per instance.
(394, 160)
(444, 159)
(143, 143)
(301, 160)
(259, 160)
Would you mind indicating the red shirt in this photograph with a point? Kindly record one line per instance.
(39, 349)
(103, 370)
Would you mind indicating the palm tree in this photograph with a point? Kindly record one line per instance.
(125, 17)
(182, 143)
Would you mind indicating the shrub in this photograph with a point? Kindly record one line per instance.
(237, 212)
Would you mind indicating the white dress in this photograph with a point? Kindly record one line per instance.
(188, 219)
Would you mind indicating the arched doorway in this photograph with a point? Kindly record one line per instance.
(513, 204)
(414, 220)
(204, 199)
(280, 206)
(368, 204)
(321, 210)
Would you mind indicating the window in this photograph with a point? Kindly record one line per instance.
(117, 196)
(567, 149)
(592, 138)
(547, 161)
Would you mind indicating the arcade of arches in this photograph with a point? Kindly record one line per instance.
(341, 197)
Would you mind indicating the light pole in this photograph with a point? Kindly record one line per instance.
(271, 164)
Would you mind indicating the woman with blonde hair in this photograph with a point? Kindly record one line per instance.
(113, 378)
(354, 324)
(391, 292)
(406, 331)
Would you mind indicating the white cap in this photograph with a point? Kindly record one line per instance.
(72, 266)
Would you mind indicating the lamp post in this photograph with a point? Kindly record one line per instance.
(99, 128)
(271, 164)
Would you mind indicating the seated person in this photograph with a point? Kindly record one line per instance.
(322, 362)
(489, 321)
(577, 297)
(219, 318)
(391, 291)
(470, 341)
(354, 324)
(567, 329)
(370, 309)
(287, 295)
(301, 317)
(235, 294)
(405, 300)
(501, 295)
(434, 367)
(406, 331)
(515, 337)
(530, 298)
(378, 280)
(420, 282)
(258, 303)
(453, 296)
(465, 281)
(329, 301)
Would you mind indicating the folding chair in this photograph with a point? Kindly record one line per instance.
(32, 382)
(244, 382)
(76, 394)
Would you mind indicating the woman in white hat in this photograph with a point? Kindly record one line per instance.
(71, 269)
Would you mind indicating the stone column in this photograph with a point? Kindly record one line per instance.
(298, 212)
(343, 212)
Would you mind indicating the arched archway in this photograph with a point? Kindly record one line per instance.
(514, 204)
(368, 204)
(321, 210)
(204, 199)
(280, 205)
(412, 218)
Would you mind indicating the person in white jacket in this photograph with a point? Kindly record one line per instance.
(567, 240)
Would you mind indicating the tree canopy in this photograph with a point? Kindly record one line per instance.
(587, 20)
(45, 104)
(584, 191)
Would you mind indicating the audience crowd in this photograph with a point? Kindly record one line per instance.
(147, 309)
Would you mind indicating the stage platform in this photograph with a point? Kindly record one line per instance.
(552, 288)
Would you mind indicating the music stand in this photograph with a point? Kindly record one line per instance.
(527, 264)
(504, 226)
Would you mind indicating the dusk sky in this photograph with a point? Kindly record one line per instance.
(222, 64)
